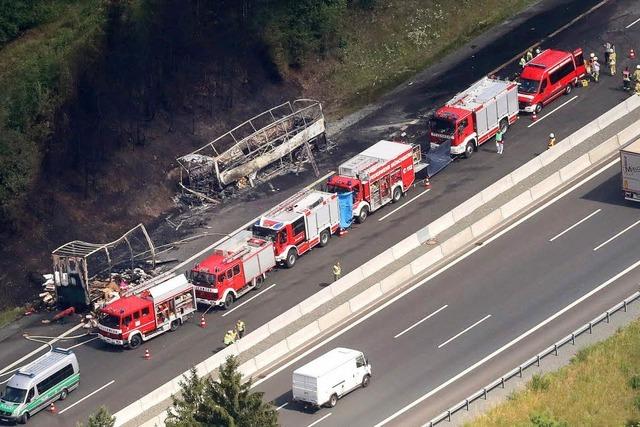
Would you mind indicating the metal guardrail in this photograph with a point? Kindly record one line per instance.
(535, 360)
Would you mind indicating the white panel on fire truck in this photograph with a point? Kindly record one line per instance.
(235, 242)
(266, 259)
(170, 287)
(492, 115)
(479, 93)
(385, 150)
(512, 98)
(501, 104)
(481, 121)
(310, 200)
(323, 219)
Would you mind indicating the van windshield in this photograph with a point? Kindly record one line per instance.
(14, 395)
(528, 86)
(110, 321)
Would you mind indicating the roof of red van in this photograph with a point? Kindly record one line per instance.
(547, 59)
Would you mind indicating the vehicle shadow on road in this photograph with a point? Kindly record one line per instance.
(609, 192)
(285, 402)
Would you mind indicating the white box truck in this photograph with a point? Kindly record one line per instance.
(630, 163)
(329, 377)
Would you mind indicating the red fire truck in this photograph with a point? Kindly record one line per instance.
(474, 116)
(132, 319)
(235, 267)
(295, 226)
(379, 175)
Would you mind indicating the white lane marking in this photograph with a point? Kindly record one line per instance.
(575, 225)
(434, 274)
(242, 227)
(42, 347)
(82, 343)
(282, 406)
(464, 331)
(421, 320)
(632, 24)
(617, 235)
(317, 421)
(87, 396)
(509, 344)
(402, 206)
(247, 301)
(552, 111)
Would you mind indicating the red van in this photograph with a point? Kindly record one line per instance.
(547, 76)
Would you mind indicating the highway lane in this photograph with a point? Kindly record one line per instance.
(174, 353)
(499, 292)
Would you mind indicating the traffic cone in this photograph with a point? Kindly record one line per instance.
(427, 183)
(534, 116)
(53, 409)
(147, 355)
(203, 322)
(342, 232)
(632, 54)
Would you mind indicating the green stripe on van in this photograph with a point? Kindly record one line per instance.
(51, 393)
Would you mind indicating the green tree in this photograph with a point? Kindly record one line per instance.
(224, 402)
(100, 418)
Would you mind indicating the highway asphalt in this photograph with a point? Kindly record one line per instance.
(505, 288)
(126, 376)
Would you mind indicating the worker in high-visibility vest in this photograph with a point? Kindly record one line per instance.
(522, 62)
(612, 62)
(229, 338)
(240, 328)
(636, 78)
(552, 141)
(529, 55)
(337, 271)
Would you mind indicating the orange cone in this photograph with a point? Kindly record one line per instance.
(53, 409)
(342, 232)
(632, 54)
(147, 355)
(534, 116)
(203, 322)
(427, 183)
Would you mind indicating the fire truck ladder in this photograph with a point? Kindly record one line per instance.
(289, 203)
(237, 254)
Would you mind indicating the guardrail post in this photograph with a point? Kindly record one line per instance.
(520, 371)
(449, 415)
(573, 338)
(590, 328)
(485, 393)
(466, 404)
(555, 349)
(502, 381)
(624, 305)
(608, 316)
(538, 360)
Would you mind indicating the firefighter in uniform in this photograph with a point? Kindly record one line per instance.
(229, 338)
(626, 79)
(612, 62)
(240, 328)
(529, 55)
(337, 271)
(552, 141)
(522, 62)
(636, 78)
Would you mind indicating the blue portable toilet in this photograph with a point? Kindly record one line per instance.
(345, 206)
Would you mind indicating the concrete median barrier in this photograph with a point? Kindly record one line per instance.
(397, 266)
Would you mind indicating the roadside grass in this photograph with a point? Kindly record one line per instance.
(9, 315)
(399, 38)
(601, 386)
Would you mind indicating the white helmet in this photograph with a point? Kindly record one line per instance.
(229, 331)
(592, 55)
(595, 58)
(638, 67)
(551, 135)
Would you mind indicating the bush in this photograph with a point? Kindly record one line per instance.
(539, 383)
(544, 419)
(634, 382)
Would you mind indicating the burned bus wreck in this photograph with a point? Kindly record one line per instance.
(273, 142)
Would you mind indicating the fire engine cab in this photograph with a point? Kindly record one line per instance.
(133, 319)
(295, 226)
(235, 267)
(379, 175)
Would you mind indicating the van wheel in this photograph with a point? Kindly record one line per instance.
(228, 301)
(364, 213)
(135, 341)
(63, 394)
(365, 380)
(174, 325)
(567, 90)
(538, 108)
(468, 150)
(324, 238)
(333, 401)
(23, 419)
(504, 125)
(397, 194)
(292, 256)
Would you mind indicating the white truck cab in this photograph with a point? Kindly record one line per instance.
(329, 377)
